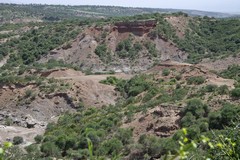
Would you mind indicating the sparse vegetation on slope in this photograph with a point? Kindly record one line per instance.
(147, 111)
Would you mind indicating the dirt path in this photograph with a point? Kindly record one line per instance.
(95, 78)
(88, 87)
(9, 132)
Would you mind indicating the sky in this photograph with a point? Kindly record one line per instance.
(231, 6)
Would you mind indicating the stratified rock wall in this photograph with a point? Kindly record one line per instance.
(136, 27)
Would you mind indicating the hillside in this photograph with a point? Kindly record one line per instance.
(126, 44)
(119, 87)
(16, 13)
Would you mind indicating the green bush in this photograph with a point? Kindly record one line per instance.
(222, 90)
(134, 86)
(178, 77)
(103, 53)
(125, 135)
(211, 88)
(235, 93)
(50, 149)
(215, 120)
(151, 47)
(28, 93)
(101, 50)
(179, 94)
(165, 72)
(196, 107)
(38, 139)
(110, 147)
(111, 80)
(229, 114)
(17, 140)
(197, 80)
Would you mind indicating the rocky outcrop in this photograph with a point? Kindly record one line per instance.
(136, 27)
(65, 96)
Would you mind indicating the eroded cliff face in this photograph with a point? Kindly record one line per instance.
(82, 50)
(136, 27)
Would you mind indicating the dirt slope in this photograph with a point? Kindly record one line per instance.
(82, 49)
(221, 64)
(161, 121)
(28, 117)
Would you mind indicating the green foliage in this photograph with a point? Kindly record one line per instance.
(28, 93)
(151, 47)
(17, 140)
(165, 72)
(111, 80)
(38, 42)
(134, 86)
(165, 29)
(232, 73)
(212, 38)
(235, 93)
(103, 53)
(179, 94)
(197, 80)
(126, 49)
(150, 94)
(50, 149)
(154, 146)
(224, 117)
(124, 135)
(38, 139)
(196, 107)
(212, 88)
(110, 147)
(3, 149)
(222, 90)
(194, 117)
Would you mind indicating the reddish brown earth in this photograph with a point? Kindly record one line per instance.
(161, 121)
(136, 27)
(82, 50)
(30, 117)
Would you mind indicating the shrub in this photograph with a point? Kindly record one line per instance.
(125, 135)
(111, 80)
(223, 90)
(17, 140)
(235, 93)
(165, 72)
(50, 149)
(179, 94)
(196, 80)
(188, 120)
(134, 86)
(229, 113)
(215, 120)
(211, 88)
(110, 147)
(101, 50)
(38, 138)
(151, 47)
(196, 107)
(178, 77)
(28, 93)
(151, 93)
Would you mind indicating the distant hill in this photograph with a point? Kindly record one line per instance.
(57, 12)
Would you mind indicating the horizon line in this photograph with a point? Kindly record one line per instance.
(75, 5)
